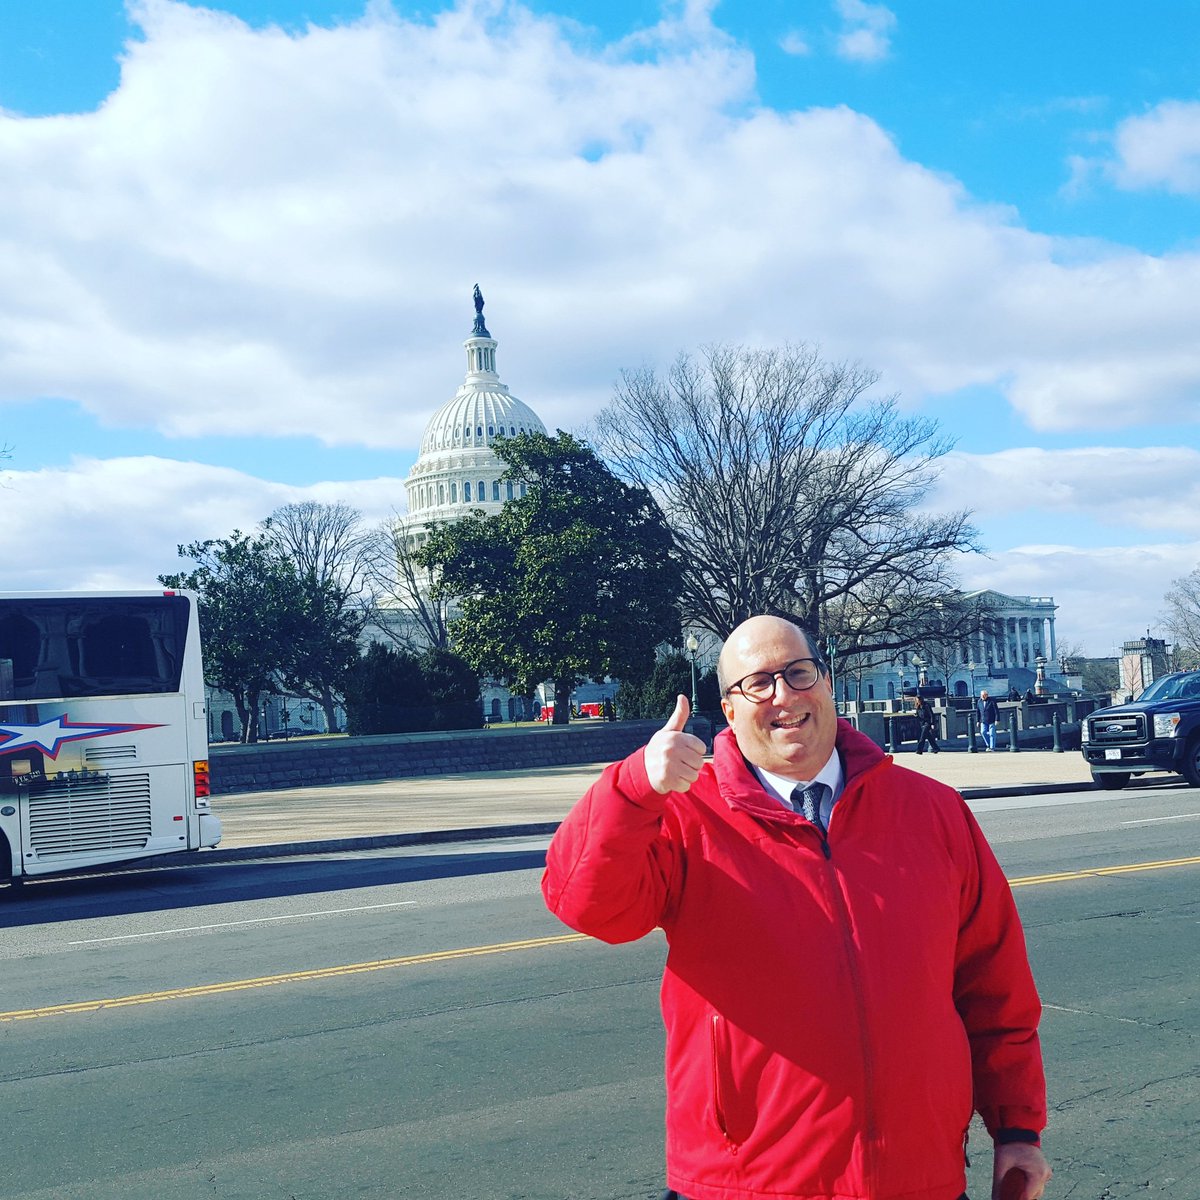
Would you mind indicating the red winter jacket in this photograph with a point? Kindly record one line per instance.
(834, 1008)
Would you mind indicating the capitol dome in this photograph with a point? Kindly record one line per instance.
(457, 469)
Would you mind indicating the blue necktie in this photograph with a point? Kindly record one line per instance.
(810, 799)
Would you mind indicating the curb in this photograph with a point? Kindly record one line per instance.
(379, 841)
(1025, 789)
(481, 833)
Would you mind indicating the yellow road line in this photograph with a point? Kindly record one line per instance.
(412, 960)
(1064, 876)
(237, 985)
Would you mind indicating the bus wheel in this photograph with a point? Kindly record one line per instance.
(6, 871)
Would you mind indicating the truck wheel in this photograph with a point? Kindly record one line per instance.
(1190, 767)
(1110, 781)
(6, 871)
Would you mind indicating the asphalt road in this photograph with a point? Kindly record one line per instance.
(411, 1023)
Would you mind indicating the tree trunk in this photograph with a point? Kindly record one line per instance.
(329, 708)
(247, 711)
(562, 701)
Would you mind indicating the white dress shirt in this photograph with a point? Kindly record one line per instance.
(831, 775)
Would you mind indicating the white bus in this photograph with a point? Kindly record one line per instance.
(103, 733)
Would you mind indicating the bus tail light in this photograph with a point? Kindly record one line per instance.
(200, 779)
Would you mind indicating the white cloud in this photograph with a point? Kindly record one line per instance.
(1107, 593)
(116, 523)
(1159, 149)
(1153, 489)
(795, 43)
(866, 34)
(261, 230)
(1105, 596)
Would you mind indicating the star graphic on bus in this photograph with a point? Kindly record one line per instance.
(49, 736)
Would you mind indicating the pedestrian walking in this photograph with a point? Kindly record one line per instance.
(926, 726)
(989, 714)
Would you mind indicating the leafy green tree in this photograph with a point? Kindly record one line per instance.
(252, 615)
(576, 579)
(653, 695)
(1100, 675)
(324, 646)
(386, 692)
(453, 689)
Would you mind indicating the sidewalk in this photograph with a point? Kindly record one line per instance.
(510, 803)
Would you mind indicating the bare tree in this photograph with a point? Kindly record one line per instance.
(327, 541)
(1097, 675)
(403, 607)
(331, 552)
(1182, 619)
(789, 490)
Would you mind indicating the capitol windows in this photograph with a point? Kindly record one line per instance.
(491, 431)
(480, 493)
(508, 490)
(495, 489)
(479, 431)
(454, 493)
(522, 491)
(441, 493)
(467, 491)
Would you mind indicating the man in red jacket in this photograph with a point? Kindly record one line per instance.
(846, 977)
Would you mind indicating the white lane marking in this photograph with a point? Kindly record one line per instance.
(1155, 820)
(327, 912)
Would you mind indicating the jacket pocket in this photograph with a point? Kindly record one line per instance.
(733, 1110)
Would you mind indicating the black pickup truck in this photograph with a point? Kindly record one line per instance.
(1159, 731)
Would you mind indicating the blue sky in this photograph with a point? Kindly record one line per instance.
(239, 244)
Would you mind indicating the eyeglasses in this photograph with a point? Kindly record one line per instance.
(800, 674)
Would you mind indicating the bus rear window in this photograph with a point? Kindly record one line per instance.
(91, 646)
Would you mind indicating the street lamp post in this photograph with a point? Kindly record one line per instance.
(285, 716)
(831, 649)
(266, 729)
(971, 668)
(697, 725)
(693, 645)
(922, 678)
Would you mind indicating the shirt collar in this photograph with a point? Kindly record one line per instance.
(831, 774)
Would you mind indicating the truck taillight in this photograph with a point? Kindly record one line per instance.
(200, 778)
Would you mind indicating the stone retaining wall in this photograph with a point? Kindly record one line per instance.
(308, 761)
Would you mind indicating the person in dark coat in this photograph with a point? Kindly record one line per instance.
(989, 714)
(926, 726)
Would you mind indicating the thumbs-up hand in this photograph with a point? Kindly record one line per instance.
(674, 758)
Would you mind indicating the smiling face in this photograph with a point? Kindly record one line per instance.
(792, 733)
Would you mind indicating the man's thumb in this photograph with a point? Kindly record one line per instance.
(679, 718)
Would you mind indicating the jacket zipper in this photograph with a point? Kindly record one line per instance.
(720, 1050)
(870, 1124)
